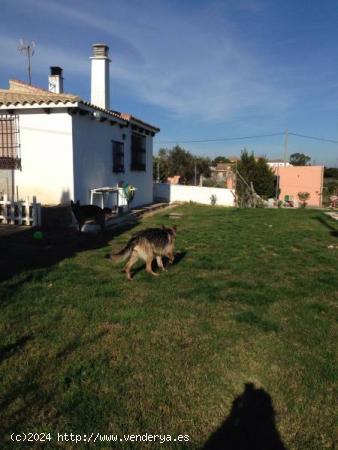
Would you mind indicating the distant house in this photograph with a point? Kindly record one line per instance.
(278, 163)
(58, 146)
(233, 159)
(174, 179)
(295, 179)
(224, 173)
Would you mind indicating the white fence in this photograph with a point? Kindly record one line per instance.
(20, 213)
(198, 194)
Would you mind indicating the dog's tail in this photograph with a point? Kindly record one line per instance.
(122, 254)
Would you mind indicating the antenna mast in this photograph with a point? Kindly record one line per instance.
(286, 145)
(27, 48)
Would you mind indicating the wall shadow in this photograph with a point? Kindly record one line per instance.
(21, 249)
(250, 425)
(29, 395)
(65, 197)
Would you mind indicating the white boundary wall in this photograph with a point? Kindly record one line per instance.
(20, 213)
(198, 194)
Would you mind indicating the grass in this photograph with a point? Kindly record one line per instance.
(251, 299)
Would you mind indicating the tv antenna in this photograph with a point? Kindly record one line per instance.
(27, 48)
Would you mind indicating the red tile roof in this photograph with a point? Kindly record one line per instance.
(131, 118)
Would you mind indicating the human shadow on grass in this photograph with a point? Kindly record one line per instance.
(250, 425)
(20, 251)
(332, 229)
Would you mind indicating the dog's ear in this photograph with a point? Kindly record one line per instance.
(78, 203)
(174, 228)
(71, 203)
(163, 227)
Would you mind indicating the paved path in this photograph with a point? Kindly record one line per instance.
(333, 214)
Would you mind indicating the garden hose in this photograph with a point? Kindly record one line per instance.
(128, 191)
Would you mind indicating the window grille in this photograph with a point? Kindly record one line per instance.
(138, 152)
(9, 142)
(118, 156)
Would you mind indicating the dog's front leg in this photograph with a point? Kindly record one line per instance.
(160, 263)
(149, 269)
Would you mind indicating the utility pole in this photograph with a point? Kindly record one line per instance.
(286, 145)
(28, 48)
(277, 184)
(158, 171)
(195, 174)
(236, 194)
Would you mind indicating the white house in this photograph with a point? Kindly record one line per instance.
(278, 163)
(58, 147)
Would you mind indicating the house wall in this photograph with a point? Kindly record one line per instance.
(198, 194)
(6, 185)
(46, 156)
(294, 179)
(93, 160)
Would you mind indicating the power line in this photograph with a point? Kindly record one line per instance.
(315, 138)
(219, 139)
(186, 141)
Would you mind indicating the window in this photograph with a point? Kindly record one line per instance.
(9, 142)
(118, 157)
(138, 152)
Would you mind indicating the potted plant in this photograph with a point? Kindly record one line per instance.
(303, 196)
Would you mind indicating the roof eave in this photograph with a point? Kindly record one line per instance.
(38, 105)
(146, 126)
(86, 106)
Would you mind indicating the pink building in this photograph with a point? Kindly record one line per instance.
(174, 179)
(294, 179)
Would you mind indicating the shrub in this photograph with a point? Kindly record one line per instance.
(209, 182)
(255, 171)
(303, 196)
(213, 199)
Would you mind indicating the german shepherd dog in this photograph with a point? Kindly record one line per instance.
(83, 213)
(146, 245)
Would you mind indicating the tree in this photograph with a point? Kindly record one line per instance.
(256, 172)
(178, 161)
(203, 166)
(219, 160)
(330, 172)
(299, 159)
(181, 162)
(161, 165)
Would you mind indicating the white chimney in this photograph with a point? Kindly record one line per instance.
(55, 80)
(100, 92)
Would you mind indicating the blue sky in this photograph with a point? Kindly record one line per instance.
(196, 69)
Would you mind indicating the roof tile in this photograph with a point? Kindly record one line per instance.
(21, 93)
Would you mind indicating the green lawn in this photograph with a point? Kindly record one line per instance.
(250, 299)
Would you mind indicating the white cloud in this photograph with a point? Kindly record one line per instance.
(189, 63)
